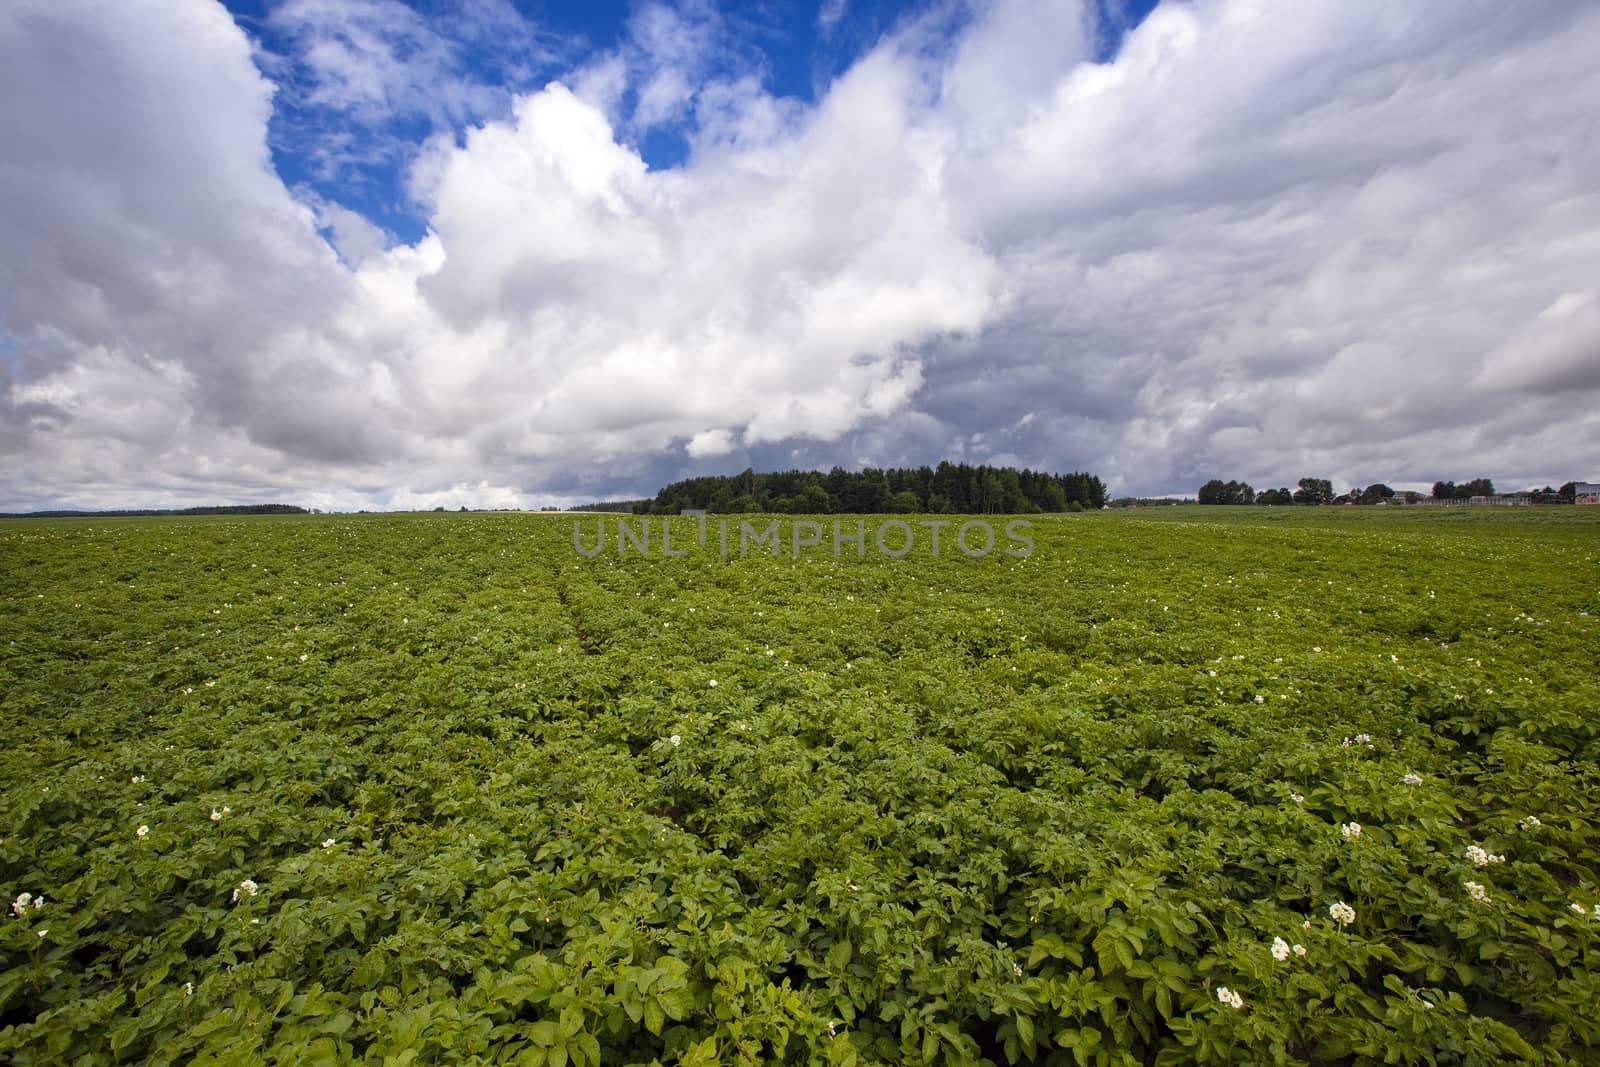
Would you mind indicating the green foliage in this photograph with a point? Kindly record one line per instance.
(951, 487)
(1314, 491)
(434, 789)
(1216, 491)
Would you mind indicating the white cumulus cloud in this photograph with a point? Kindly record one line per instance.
(1340, 238)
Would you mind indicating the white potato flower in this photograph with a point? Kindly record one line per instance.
(1481, 857)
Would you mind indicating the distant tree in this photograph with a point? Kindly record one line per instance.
(1568, 491)
(1216, 491)
(904, 502)
(1013, 500)
(1375, 493)
(949, 485)
(875, 494)
(813, 500)
(1444, 490)
(1314, 491)
(863, 493)
(990, 495)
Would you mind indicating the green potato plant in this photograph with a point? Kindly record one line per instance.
(1180, 786)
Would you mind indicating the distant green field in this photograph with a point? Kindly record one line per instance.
(1183, 785)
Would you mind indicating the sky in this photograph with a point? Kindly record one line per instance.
(376, 254)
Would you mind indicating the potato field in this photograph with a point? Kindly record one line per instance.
(1185, 785)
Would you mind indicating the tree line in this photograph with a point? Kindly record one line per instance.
(141, 513)
(627, 507)
(1484, 487)
(950, 488)
(1320, 491)
(1310, 491)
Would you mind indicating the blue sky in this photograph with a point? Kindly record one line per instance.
(369, 254)
(796, 50)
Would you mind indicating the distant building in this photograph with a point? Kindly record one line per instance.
(1586, 493)
(1503, 500)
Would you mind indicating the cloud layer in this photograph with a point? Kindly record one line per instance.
(1341, 238)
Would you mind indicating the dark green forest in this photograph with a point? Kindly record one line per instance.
(953, 488)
